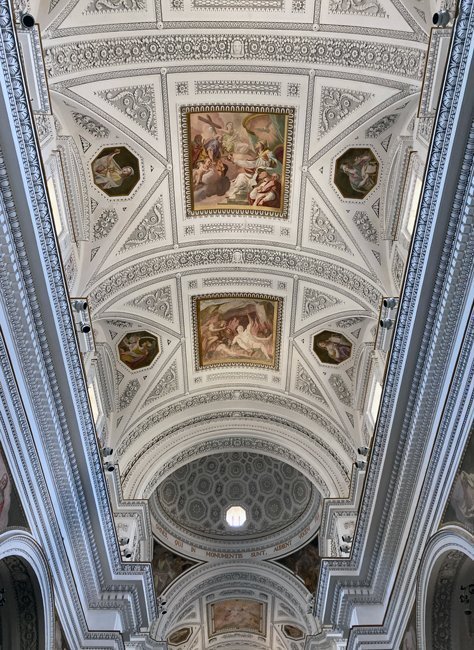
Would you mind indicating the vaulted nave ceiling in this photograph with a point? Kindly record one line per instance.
(312, 103)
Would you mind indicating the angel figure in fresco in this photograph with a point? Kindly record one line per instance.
(362, 172)
(230, 139)
(249, 341)
(409, 639)
(108, 173)
(336, 347)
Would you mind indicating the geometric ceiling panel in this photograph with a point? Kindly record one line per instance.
(379, 13)
(156, 302)
(136, 102)
(134, 107)
(341, 103)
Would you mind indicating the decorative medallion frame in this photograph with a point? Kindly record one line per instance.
(276, 330)
(247, 211)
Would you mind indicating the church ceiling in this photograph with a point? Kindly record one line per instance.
(230, 171)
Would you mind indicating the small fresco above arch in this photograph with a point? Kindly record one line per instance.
(356, 172)
(237, 615)
(138, 349)
(116, 171)
(180, 636)
(332, 347)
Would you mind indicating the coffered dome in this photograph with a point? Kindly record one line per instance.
(278, 501)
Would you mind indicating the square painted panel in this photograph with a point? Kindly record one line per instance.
(237, 159)
(236, 615)
(237, 329)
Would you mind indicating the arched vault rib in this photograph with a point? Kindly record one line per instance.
(283, 260)
(147, 49)
(200, 436)
(268, 404)
(269, 578)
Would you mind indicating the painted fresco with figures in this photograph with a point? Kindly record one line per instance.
(236, 329)
(238, 159)
(237, 615)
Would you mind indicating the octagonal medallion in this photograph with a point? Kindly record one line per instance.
(116, 171)
(138, 349)
(331, 347)
(356, 173)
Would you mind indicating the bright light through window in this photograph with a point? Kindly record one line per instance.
(376, 396)
(93, 399)
(58, 224)
(413, 206)
(236, 516)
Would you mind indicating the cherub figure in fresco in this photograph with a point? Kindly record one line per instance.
(336, 347)
(409, 639)
(5, 488)
(362, 172)
(108, 173)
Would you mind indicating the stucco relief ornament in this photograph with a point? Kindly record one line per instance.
(137, 102)
(158, 302)
(150, 229)
(104, 6)
(315, 301)
(105, 223)
(336, 104)
(364, 7)
(90, 125)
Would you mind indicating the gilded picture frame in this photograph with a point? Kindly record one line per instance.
(237, 329)
(237, 159)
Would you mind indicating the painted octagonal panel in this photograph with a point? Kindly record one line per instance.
(180, 636)
(138, 349)
(356, 173)
(332, 347)
(116, 171)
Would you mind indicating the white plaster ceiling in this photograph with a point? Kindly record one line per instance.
(120, 73)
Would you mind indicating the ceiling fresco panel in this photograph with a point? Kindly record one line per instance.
(237, 329)
(236, 158)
